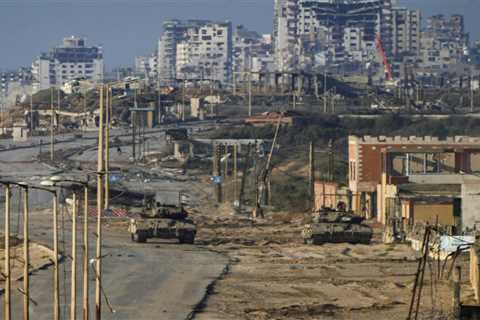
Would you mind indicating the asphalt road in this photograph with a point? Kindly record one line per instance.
(156, 280)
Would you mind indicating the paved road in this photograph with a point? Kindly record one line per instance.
(158, 280)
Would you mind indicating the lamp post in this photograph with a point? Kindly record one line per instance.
(56, 181)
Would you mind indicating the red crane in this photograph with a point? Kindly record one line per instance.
(381, 51)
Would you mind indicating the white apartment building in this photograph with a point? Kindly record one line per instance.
(195, 49)
(69, 61)
(147, 67)
(407, 31)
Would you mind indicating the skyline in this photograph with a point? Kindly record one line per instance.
(111, 24)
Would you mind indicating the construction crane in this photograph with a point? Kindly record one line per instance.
(265, 175)
(386, 65)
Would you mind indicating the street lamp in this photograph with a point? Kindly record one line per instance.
(55, 180)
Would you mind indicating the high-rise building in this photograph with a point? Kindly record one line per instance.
(147, 67)
(71, 60)
(339, 30)
(444, 42)
(407, 30)
(195, 49)
(285, 32)
(252, 52)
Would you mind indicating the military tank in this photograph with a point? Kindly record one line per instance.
(163, 217)
(330, 226)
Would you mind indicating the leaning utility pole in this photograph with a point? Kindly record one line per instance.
(26, 257)
(7, 273)
(100, 203)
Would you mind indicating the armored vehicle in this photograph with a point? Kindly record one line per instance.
(329, 226)
(163, 216)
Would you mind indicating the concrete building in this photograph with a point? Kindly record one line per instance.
(251, 52)
(406, 32)
(147, 67)
(416, 170)
(73, 59)
(195, 49)
(285, 33)
(444, 42)
(343, 30)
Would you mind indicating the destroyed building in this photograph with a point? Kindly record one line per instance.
(333, 31)
(444, 42)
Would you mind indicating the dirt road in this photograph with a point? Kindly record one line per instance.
(273, 275)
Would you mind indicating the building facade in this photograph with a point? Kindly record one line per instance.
(252, 52)
(338, 31)
(444, 42)
(71, 60)
(415, 169)
(147, 67)
(406, 33)
(195, 49)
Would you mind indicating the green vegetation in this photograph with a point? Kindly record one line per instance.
(290, 187)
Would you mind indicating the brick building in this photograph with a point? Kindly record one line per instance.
(378, 164)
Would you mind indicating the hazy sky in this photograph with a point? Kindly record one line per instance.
(126, 28)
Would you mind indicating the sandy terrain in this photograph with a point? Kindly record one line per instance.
(40, 257)
(273, 275)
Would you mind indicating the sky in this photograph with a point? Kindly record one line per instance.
(127, 28)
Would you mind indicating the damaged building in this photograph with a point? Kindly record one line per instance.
(331, 31)
(195, 49)
(418, 179)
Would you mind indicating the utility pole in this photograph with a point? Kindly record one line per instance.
(7, 275)
(134, 123)
(31, 113)
(107, 146)
(85, 253)
(56, 281)
(471, 92)
(183, 101)
(73, 295)
(26, 256)
(235, 173)
(52, 124)
(311, 180)
(234, 84)
(325, 91)
(100, 203)
(331, 161)
(244, 177)
(250, 93)
(217, 173)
